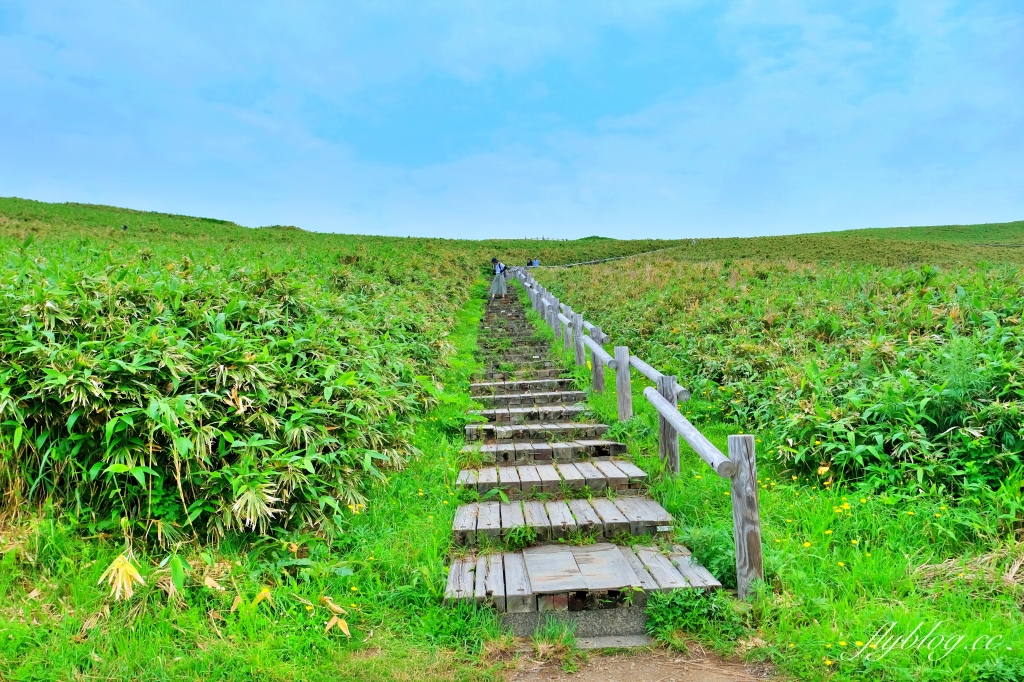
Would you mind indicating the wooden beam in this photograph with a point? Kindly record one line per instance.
(668, 437)
(746, 515)
(623, 384)
(694, 438)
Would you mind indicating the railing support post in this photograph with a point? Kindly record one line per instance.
(668, 438)
(577, 338)
(596, 365)
(567, 329)
(746, 515)
(623, 384)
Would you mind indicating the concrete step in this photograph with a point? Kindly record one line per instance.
(596, 476)
(536, 413)
(527, 452)
(527, 399)
(507, 387)
(542, 433)
(479, 523)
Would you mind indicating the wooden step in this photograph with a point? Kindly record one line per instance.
(624, 477)
(554, 451)
(601, 517)
(528, 386)
(544, 433)
(536, 413)
(494, 364)
(517, 374)
(527, 399)
(593, 577)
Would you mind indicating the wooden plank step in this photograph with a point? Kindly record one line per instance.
(527, 399)
(518, 374)
(535, 433)
(554, 520)
(511, 453)
(536, 413)
(526, 386)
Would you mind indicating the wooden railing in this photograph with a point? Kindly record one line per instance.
(740, 467)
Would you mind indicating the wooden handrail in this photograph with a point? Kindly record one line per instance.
(653, 374)
(601, 353)
(694, 438)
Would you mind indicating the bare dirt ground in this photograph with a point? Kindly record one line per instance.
(642, 666)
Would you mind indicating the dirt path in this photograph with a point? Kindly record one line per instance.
(643, 666)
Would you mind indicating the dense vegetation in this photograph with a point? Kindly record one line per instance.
(884, 390)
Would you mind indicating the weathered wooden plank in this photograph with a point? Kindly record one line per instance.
(746, 514)
(553, 602)
(661, 520)
(632, 471)
(643, 575)
(494, 581)
(571, 475)
(593, 477)
(550, 482)
(461, 585)
(508, 478)
(694, 438)
(562, 452)
(486, 480)
(562, 522)
(661, 569)
(519, 596)
(695, 574)
(668, 437)
(613, 519)
(537, 518)
(603, 567)
(529, 479)
(587, 520)
(480, 579)
(467, 479)
(464, 525)
(616, 480)
(542, 452)
(489, 521)
(553, 569)
(511, 517)
(639, 519)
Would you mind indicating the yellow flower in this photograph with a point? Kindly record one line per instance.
(778, 541)
(726, 492)
(855, 542)
(938, 516)
(943, 508)
(794, 478)
(791, 645)
(807, 544)
(698, 477)
(828, 532)
(910, 513)
(789, 520)
(817, 442)
(446, 501)
(841, 563)
(862, 500)
(842, 643)
(421, 493)
(828, 662)
(858, 643)
(354, 588)
(828, 646)
(867, 553)
(308, 607)
(352, 605)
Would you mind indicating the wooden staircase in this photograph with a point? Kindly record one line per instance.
(563, 525)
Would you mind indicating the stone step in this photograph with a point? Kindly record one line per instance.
(567, 451)
(600, 589)
(527, 399)
(479, 523)
(621, 476)
(536, 413)
(517, 375)
(507, 387)
(544, 433)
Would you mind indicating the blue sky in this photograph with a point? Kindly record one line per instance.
(481, 119)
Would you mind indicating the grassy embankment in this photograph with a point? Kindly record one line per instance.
(260, 423)
(881, 378)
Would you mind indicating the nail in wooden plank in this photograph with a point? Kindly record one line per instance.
(587, 519)
(519, 596)
(661, 569)
(561, 519)
(486, 480)
(511, 517)
(613, 475)
(550, 482)
(467, 479)
(614, 521)
(571, 475)
(508, 478)
(542, 452)
(489, 521)
(603, 567)
(592, 475)
(494, 581)
(529, 479)
(464, 525)
(537, 518)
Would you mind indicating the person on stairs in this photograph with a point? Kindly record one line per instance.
(498, 286)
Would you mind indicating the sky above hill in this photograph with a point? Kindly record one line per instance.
(631, 119)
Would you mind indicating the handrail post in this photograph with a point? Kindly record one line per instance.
(668, 438)
(577, 337)
(746, 515)
(623, 384)
(596, 365)
(567, 328)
